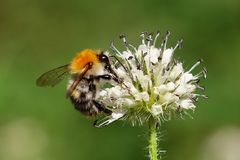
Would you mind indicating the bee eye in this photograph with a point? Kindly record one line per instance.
(103, 58)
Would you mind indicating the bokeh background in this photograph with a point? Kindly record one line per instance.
(41, 124)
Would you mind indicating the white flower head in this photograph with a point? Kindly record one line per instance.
(154, 84)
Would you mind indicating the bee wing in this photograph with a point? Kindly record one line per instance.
(53, 77)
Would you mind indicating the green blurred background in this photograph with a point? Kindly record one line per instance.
(41, 124)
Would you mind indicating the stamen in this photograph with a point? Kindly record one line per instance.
(142, 60)
(195, 65)
(178, 77)
(178, 45)
(115, 49)
(143, 37)
(200, 87)
(194, 99)
(108, 120)
(175, 62)
(149, 39)
(123, 38)
(128, 67)
(135, 49)
(201, 95)
(156, 37)
(197, 81)
(115, 64)
(172, 60)
(205, 72)
(120, 63)
(164, 43)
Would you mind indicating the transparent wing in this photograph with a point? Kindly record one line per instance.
(53, 77)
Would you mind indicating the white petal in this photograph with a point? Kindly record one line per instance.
(154, 54)
(128, 102)
(120, 72)
(114, 92)
(127, 54)
(137, 74)
(142, 48)
(156, 109)
(176, 71)
(145, 82)
(169, 97)
(167, 56)
(117, 115)
(170, 86)
(142, 96)
(131, 88)
(109, 119)
(186, 77)
(187, 104)
(160, 89)
(181, 89)
(103, 93)
(190, 87)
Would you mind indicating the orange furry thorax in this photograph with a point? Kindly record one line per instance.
(82, 58)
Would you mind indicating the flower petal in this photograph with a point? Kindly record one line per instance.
(142, 96)
(187, 104)
(109, 119)
(156, 109)
(167, 56)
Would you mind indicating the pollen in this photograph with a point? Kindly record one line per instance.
(75, 94)
(82, 58)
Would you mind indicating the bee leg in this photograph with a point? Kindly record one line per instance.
(107, 77)
(102, 108)
(104, 76)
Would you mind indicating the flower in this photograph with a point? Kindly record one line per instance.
(154, 83)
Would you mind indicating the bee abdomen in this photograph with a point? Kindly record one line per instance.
(85, 106)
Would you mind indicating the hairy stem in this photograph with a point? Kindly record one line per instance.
(153, 140)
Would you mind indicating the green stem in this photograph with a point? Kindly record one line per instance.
(153, 152)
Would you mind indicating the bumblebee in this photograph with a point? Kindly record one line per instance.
(86, 69)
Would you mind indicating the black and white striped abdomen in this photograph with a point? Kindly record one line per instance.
(83, 97)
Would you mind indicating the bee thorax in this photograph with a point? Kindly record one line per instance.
(97, 69)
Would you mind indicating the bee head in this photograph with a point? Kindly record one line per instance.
(100, 63)
(105, 61)
(84, 57)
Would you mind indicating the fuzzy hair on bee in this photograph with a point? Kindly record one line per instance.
(87, 69)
